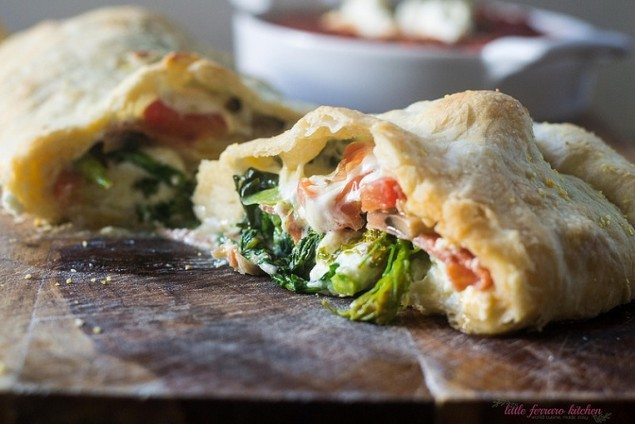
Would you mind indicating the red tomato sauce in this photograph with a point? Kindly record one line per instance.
(490, 25)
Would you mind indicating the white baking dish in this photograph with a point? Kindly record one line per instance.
(553, 75)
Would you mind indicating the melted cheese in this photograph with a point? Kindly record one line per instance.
(368, 18)
(117, 205)
(321, 212)
(444, 20)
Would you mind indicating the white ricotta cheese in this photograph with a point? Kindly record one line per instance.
(444, 20)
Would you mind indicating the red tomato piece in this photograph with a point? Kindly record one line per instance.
(305, 191)
(64, 186)
(461, 276)
(164, 120)
(354, 154)
(381, 194)
(461, 268)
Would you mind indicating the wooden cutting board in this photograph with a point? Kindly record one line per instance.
(85, 316)
(125, 328)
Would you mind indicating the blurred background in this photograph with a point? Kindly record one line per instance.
(210, 20)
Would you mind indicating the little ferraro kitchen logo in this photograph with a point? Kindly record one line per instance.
(568, 412)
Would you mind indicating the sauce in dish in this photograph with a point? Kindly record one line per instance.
(489, 23)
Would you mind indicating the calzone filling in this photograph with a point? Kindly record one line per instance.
(344, 233)
(141, 172)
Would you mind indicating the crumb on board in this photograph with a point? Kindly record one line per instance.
(73, 270)
(188, 267)
(79, 322)
(69, 281)
(97, 330)
(84, 243)
(28, 277)
(93, 280)
(57, 284)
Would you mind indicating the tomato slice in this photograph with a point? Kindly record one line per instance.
(459, 263)
(305, 191)
(162, 119)
(461, 276)
(381, 194)
(354, 154)
(65, 184)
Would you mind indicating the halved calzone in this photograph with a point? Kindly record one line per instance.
(451, 208)
(104, 118)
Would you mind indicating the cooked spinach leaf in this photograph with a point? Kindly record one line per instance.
(177, 212)
(148, 186)
(250, 183)
(162, 172)
(174, 213)
(264, 242)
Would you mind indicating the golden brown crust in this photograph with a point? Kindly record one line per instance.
(575, 151)
(62, 84)
(470, 168)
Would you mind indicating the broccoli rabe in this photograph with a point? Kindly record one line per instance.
(382, 303)
(374, 257)
(360, 263)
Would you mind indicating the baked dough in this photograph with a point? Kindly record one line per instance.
(471, 170)
(575, 151)
(65, 85)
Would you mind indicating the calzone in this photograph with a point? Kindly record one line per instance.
(450, 207)
(105, 116)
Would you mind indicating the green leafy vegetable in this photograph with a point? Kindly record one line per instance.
(162, 172)
(178, 212)
(364, 260)
(147, 186)
(382, 303)
(264, 242)
(353, 268)
(174, 213)
(269, 197)
(252, 182)
(93, 170)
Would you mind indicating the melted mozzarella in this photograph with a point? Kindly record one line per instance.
(119, 202)
(444, 20)
(322, 211)
(368, 18)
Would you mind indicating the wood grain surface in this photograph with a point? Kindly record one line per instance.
(127, 328)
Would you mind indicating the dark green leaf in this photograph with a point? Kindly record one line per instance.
(147, 186)
(93, 170)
